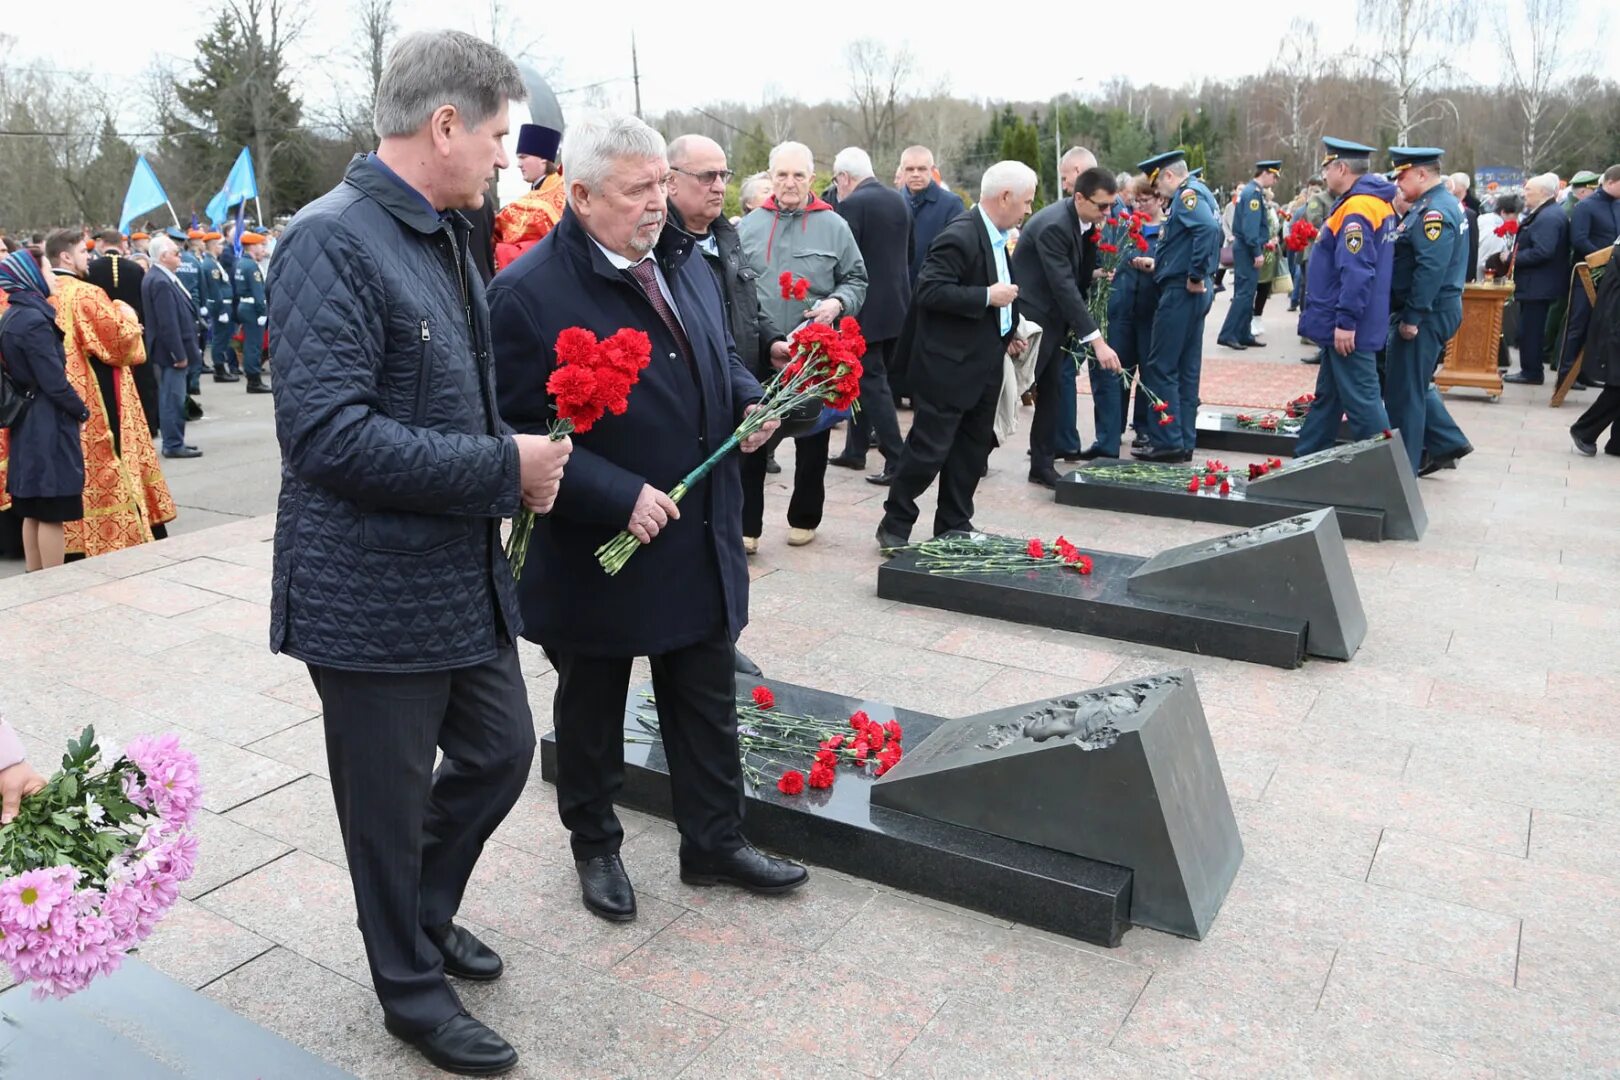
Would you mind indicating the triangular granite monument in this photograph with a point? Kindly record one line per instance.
(1294, 567)
(1123, 774)
(1373, 473)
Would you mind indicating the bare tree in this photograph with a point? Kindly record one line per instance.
(1414, 38)
(876, 80)
(268, 29)
(1296, 75)
(1539, 60)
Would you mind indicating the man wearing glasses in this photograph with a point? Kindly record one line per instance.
(1053, 265)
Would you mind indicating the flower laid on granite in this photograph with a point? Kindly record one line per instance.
(771, 739)
(93, 862)
(1213, 478)
(1260, 468)
(1300, 406)
(592, 378)
(825, 367)
(947, 555)
(1287, 425)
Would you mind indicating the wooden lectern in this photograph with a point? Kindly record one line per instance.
(1470, 356)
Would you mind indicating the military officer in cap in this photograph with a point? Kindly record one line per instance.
(525, 221)
(190, 274)
(1189, 250)
(221, 300)
(1346, 302)
(1248, 255)
(250, 309)
(1431, 257)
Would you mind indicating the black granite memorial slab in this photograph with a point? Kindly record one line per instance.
(1101, 603)
(1374, 473)
(839, 827)
(1124, 773)
(1107, 486)
(138, 1024)
(1296, 567)
(1221, 431)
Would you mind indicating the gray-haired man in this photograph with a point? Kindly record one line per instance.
(389, 579)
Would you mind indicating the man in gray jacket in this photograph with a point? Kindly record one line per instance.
(796, 233)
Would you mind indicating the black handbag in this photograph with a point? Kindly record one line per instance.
(14, 400)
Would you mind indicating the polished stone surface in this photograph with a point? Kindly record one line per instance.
(1221, 431)
(138, 1024)
(1101, 603)
(1099, 487)
(1124, 773)
(1297, 567)
(1374, 473)
(840, 827)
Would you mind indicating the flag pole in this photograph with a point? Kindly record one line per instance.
(172, 214)
(259, 210)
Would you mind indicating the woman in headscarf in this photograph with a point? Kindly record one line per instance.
(46, 473)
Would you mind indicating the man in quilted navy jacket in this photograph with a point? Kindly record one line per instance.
(389, 580)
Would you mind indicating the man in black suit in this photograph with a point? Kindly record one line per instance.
(1055, 262)
(960, 325)
(120, 277)
(880, 220)
(171, 342)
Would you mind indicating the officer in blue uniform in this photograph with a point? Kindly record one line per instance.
(1131, 303)
(1189, 250)
(250, 309)
(1346, 308)
(1248, 255)
(218, 300)
(1431, 262)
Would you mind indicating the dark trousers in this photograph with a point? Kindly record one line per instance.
(876, 416)
(224, 353)
(1052, 430)
(194, 372)
(412, 833)
(146, 388)
(950, 443)
(1603, 413)
(697, 721)
(1345, 386)
(1131, 336)
(1532, 340)
(1580, 314)
(172, 406)
(1414, 406)
(1245, 284)
(809, 484)
(252, 348)
(1176, 362)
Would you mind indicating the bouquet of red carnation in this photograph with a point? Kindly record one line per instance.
(1119, 237)
(1301, 235)
(825, 366)
(793, 288)
(1508, 228)
(592, 378)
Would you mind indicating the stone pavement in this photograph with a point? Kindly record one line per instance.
(1432, 881)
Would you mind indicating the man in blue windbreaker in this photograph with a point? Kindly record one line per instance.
(1347, 297)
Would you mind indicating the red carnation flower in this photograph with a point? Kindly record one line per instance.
(822, 776)
(859, 720)
(1160, 406)
(835, 742)
(1386, 434)
(895, 731)
(575, 345)
(785, 282)
(1083, 564)
(1035, 550)
(1274, 463)
(827, 757)
(764, 698)
(1210, 480)
(1165, 421)
(861, 752)
(801, 289)
(1256, 471)
(792, 782)
(1226, 488)
(1192, 485)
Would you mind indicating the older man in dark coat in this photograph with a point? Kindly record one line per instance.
(880, 221)
(170, 321)
(932, 208)
(1541, 266)
(682, 600)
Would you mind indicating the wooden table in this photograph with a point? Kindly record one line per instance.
(1470, 356)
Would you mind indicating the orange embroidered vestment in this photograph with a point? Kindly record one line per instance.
(524, 222)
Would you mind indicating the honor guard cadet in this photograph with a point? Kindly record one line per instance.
(1431, 261)
(217, 291)
(1189, 250)
(190, 274)
(1248, 255)
(250, 309)
(1346, 308)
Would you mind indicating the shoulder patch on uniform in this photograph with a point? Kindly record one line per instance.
(1254, 204)
(1352, 237)
(1432, 226)
(1434, 215)
(1189, 199)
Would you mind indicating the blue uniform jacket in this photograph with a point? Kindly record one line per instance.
(1431, 257)
(215, 289)
(1351, 266)
(1249, 220)
(249, 290)
(1190, 241)
(1541, 263)
(1133, 295)
(190, 275)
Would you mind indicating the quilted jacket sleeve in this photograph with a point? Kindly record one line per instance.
(327, 310)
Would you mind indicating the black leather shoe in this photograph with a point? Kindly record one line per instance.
(1158, 453)
(194, 411)
(254, 386)
(1255, 344)
(225, 376)
(771, 467)
(1433, 464)
(844, 461)
(460, 1045)
(184, 452)
(747, 868)
(1091, 453)
(1315, 358)
(882, 479)
(888, 541)
(465, 956)
(742, 665)
(1522, 379)
(1229, 344)
(605, 888)
(1047, 477)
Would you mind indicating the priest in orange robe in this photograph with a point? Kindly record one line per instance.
(524, 222)
(126, 499)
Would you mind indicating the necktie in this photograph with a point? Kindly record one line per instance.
(647, 277)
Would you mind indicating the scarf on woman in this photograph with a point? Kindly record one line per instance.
(19, 273)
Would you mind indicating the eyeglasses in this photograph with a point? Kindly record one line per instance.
(708, 177)
(1106, 204)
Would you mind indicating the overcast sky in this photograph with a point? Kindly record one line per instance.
(723, 54)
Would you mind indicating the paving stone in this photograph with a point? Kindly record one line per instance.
(226, 851)
(1577, 842)
(301, 903)
(302, 746)
(716, 968)
(743, 1053)
(301, 815)
(194, 946)
(154, 595)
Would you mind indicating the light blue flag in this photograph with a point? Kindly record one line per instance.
(216, 210)
(145, 193)
(240, 186)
